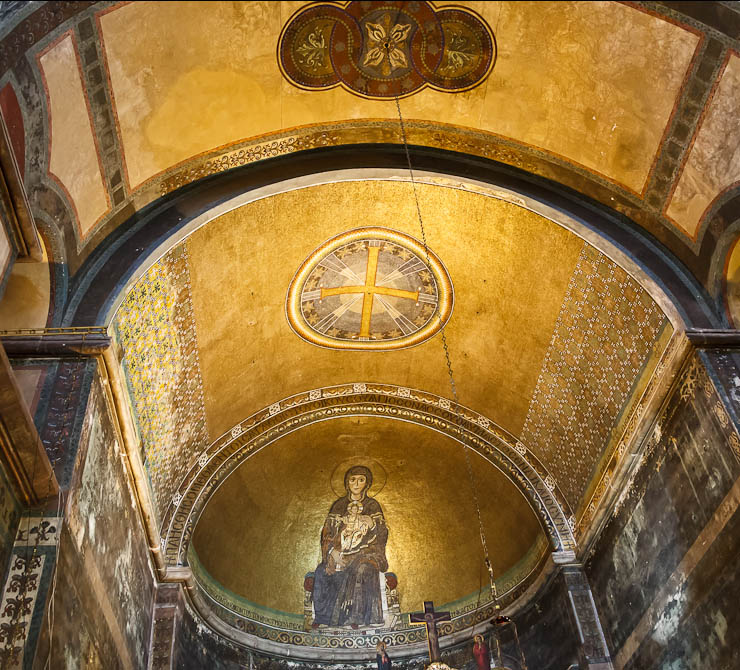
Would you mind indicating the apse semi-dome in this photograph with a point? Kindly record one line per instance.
(261, 541)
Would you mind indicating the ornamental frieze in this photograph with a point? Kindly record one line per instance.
(362, 399)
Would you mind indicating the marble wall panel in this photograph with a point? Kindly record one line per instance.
(29, 379)
(663, 571)
(104, 590)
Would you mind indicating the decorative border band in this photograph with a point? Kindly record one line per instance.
(473, 430)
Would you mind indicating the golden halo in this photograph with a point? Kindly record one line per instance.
(379, 475)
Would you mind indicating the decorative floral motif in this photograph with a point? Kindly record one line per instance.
(35, 541)
(721, 415)
(379, 53)
(690, 380)
(735, 444)
(313, 50)
(459, 54)
(386, 47)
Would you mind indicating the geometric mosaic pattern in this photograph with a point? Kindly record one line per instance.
(156, 331)
(604, 333)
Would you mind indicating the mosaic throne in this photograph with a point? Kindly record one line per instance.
(388, 591)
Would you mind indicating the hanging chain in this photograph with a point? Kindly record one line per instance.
(453, 386)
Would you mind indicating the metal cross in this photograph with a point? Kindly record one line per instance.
(430, 618)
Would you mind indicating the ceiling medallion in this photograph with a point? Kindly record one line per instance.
(369, 289)
(386, 49)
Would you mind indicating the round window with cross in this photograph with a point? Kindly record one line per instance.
(370, 288)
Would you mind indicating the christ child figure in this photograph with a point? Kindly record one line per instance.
(354, 527)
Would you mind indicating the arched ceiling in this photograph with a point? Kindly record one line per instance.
(115, 114)
(627, 103)
(176, 108)
(549, 338)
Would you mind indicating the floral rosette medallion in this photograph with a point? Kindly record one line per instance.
(386, 49)
(370, 289)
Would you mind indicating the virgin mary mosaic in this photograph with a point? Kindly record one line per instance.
(346, 588)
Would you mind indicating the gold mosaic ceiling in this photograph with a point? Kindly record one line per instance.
(549, 339)
(594, 86)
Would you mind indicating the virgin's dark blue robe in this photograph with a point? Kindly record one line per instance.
(351, 596)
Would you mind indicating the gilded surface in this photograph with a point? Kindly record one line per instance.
(73, 159)
(370, 288)
(26, 299)
(260, 533)
(268, 624)
(603, 105)
(270, 424)
(509, 330)
(732, 285)
(508, 293)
